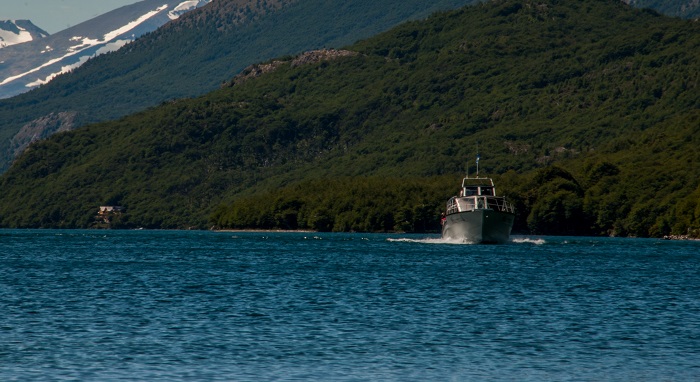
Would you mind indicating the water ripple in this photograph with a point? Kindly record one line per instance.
(108, 305)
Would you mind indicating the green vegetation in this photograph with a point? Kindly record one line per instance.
(343, 204)
(198, 52)
(588, 111)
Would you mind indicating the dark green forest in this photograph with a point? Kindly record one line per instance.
(586, 113)
(199, 51)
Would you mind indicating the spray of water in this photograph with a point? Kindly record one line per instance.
(527, 240)
(519, 240)
(430, 241)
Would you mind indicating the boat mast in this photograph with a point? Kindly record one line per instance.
(477, 159)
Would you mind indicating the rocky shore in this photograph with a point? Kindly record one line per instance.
(679, 237)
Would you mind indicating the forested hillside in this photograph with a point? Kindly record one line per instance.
(587, 113)
(194, 55)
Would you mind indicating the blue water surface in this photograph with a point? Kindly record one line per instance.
(230, 306)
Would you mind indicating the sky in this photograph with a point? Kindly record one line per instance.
(56, 15)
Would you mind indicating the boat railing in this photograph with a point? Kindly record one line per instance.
(471, 203)
(500, 204)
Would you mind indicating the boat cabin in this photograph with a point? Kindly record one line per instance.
(477, 194)
(477, 187)
(478, 191)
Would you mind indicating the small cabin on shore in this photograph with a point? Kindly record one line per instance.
(105, 215)
(106, 210)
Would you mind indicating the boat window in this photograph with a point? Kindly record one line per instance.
(487, 191)
(471, 191)
(469, 204)
(465, 204)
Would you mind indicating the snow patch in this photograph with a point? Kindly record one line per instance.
(85, 43)
(64, 69)
(182, 8)
(111, 47)
(102, 45)
(115, 33)
(8, 38)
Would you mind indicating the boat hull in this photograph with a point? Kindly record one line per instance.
(479, 226)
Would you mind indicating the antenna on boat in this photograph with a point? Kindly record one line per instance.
(477, 159)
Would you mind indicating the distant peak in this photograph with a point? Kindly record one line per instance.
(19, 31)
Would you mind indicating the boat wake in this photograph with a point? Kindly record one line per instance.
(430, 241)
(517, 240)
(527, 240)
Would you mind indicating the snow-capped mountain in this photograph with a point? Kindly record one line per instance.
(19, 31)
(37, 61)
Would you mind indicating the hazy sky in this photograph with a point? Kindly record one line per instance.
(56, 15)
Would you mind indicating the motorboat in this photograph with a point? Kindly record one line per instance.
(477, 215)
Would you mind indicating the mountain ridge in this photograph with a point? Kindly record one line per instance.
(193, 55)
(164, 66)
(19, 31)
(35, 62)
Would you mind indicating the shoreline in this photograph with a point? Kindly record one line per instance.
(680, 237)
(265, 230)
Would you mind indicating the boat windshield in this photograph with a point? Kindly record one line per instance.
(471, 191)
(476, 191)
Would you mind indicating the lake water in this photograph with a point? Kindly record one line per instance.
(207, 306)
